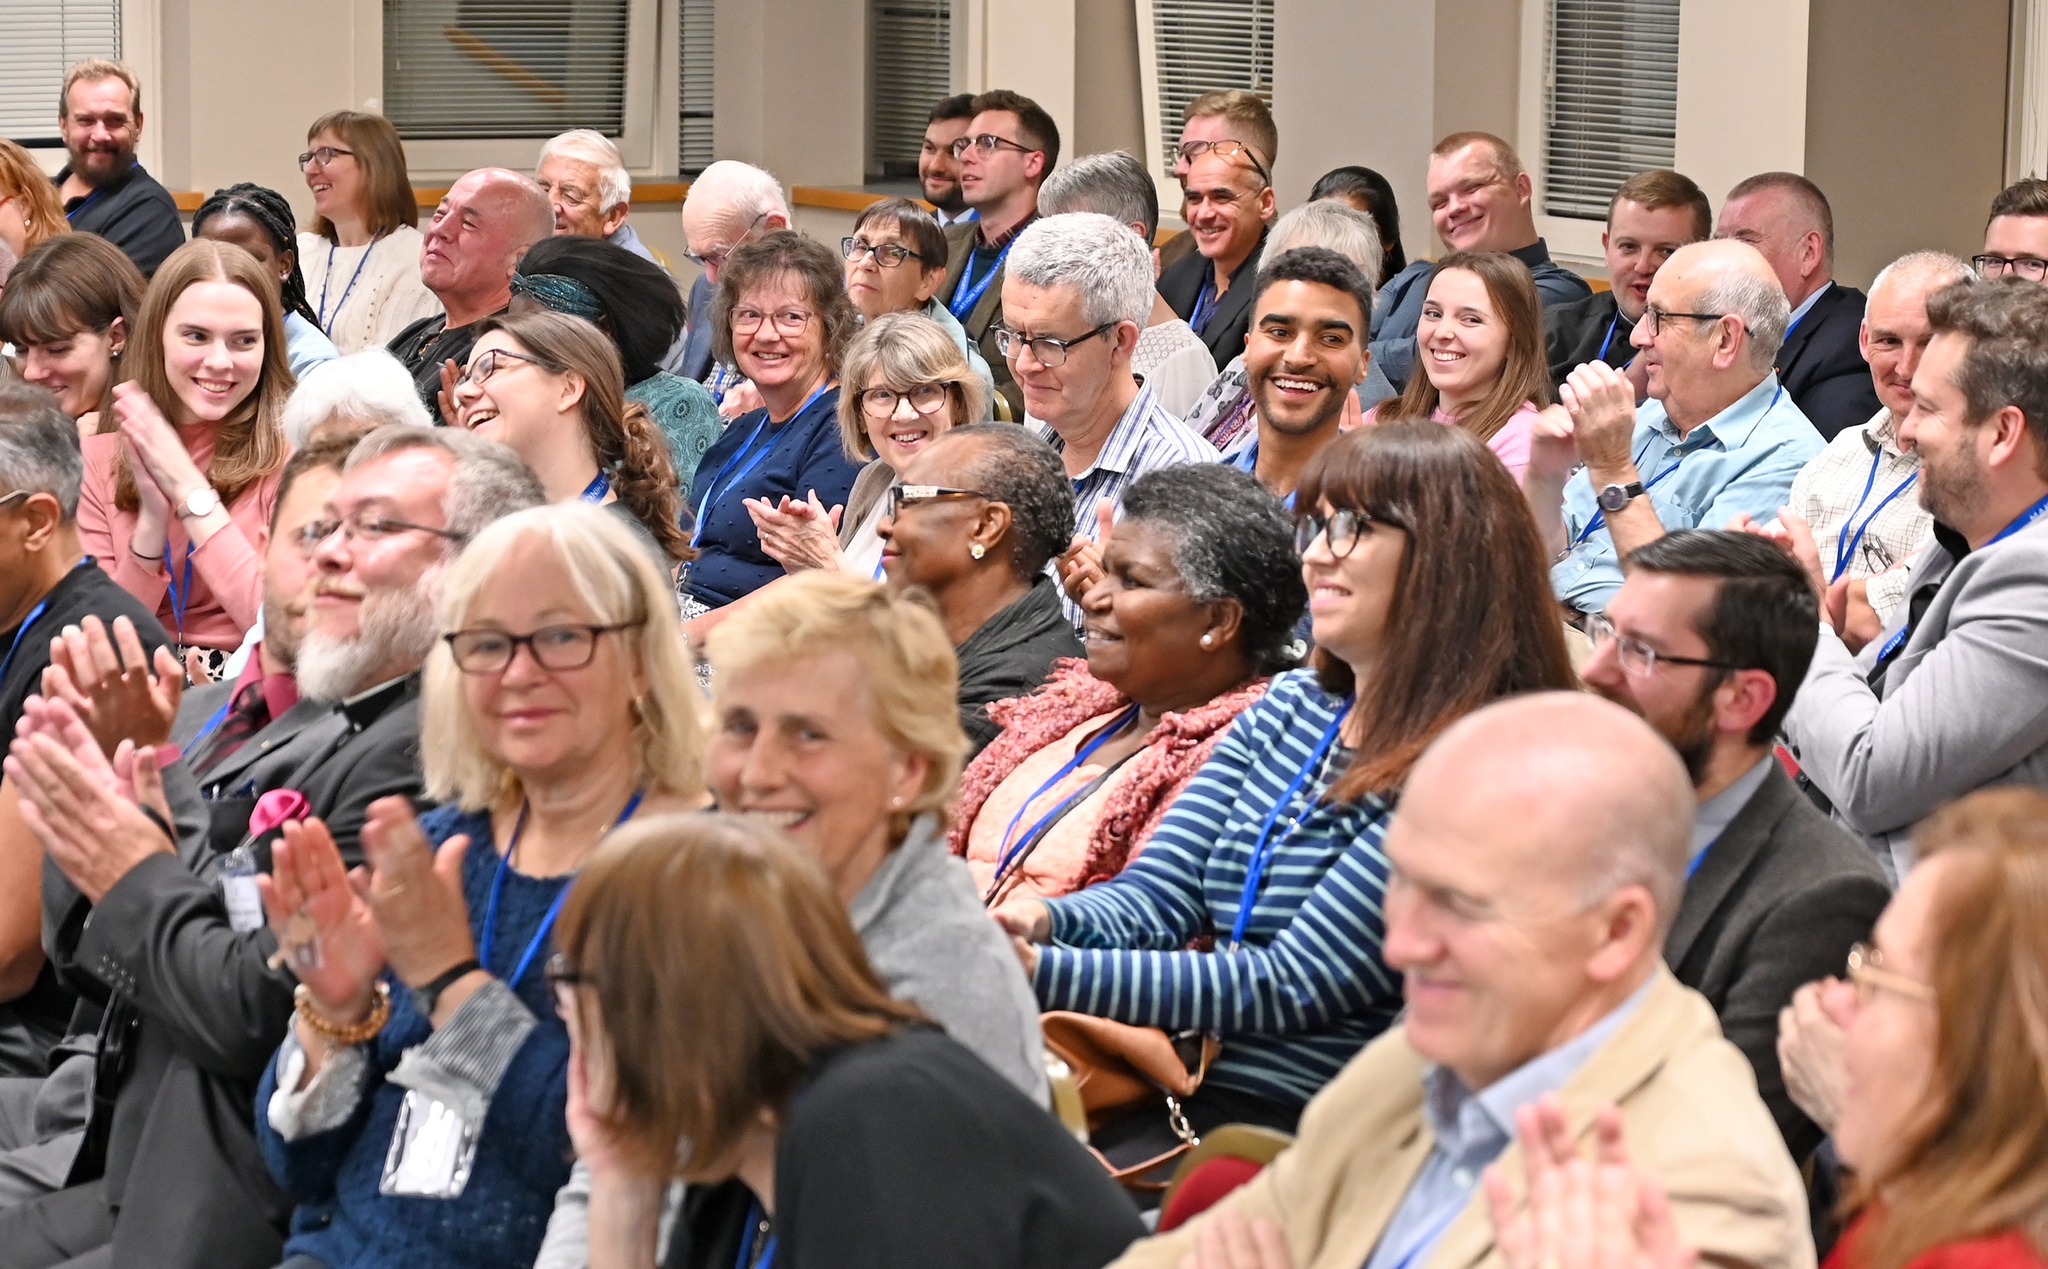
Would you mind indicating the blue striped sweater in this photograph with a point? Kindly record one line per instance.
(1310, 985)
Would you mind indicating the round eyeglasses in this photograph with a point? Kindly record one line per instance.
(925, 398)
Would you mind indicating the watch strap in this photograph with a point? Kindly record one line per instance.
(428, 994)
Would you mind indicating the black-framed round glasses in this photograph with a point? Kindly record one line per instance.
(325, 155)
(1639, 658)
(925, 398)
(887, 254)
(563, 647)
(988, 143)
(1340, 530)
(1049, 351)
(487, 363)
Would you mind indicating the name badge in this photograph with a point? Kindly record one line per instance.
(432, 1151)
(244, 901)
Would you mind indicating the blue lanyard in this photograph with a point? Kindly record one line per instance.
(324, 281)
(596, 490)
(180, 599)
(1205, 303)
(1845, 546)
(93, 197)
(1693, 865)
(1610, 334)
(967, 293)
(1247, 459)
(719, 484)
(219, 716)
(547, 923)
(1011, 855)
(1600, 516)
(2021, 521)
(1263, 848)
(767, 1256)
(21, 631)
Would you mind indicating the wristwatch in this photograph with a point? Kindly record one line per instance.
(428, 994)
(1613, 498)
(202, 501)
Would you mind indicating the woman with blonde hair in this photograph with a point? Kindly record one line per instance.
(361, 253)
(558, 706)
(70, 309)
(30, 212)
(177, 498)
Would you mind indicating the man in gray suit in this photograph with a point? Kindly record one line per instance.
(1708, 640)
(1953, 695)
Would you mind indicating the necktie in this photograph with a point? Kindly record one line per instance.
(247, 715)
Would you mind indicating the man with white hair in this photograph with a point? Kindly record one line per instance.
(729, 204)
(1718, 438)
(1076, 292)
(586, 182)
(1538, 860)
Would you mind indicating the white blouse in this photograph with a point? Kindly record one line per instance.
(366, 295)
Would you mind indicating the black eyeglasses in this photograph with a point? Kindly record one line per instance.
(1192, 150)
(552, 647)
(1340, 530)
(560, 971)
(485, 364)
(886, 254)
(325, 155)
(1049, 351)
(988, 143)
(1639, 658)
(900, 496)
(2032, 268)
(370, 528)
(925, 398)
(1654, 318)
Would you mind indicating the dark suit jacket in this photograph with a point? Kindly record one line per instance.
(1778, 901)
(1180, 285)
(201, 1010)
(1822, 366)
(1591, 329)
(695, 361)
(987, 312)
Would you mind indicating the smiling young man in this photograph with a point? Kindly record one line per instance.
(1653, 214)
(1228, 203)
(105, 191)
(938, 172)
(2016, 235)
(1304, 356)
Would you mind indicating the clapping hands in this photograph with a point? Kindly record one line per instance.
(1579, 1213)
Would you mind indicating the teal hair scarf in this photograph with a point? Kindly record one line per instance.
(562, 295)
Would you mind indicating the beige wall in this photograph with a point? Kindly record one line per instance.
(1109, 109)
(1478, 66)
(791, 90)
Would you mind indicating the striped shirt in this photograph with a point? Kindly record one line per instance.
(1854, 480)
(1310, 985)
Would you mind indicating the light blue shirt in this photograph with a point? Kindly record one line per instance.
(1805, 307)
(1741, 460)
(1719, 811)
(305, 345)
(1470, 1130)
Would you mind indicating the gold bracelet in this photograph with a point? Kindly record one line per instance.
(341, 1035)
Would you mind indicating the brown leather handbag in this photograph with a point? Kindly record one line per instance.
(1123, 1070)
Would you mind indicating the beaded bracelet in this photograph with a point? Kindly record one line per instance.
(348, 1035)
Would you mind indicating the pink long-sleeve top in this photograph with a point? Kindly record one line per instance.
(1511, 444)
(227, 570)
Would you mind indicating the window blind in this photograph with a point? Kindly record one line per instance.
(483, 69)
(1611, 99)
(910, 68)
(1205, 45)
(696, 64)
(39, 41)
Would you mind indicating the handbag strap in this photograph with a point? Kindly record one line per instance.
(1045, 826)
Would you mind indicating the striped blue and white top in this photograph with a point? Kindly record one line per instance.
(1310, 985)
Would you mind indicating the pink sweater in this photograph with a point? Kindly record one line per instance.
(1510, 444)
(227, 572)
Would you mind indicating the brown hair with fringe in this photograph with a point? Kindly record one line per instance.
(387, 186)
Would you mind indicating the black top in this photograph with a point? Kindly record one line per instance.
(908, 1153)
(1591, 329)
(133, 212)
(1010, 655)
(423, 346)
(1822, 363)
(1229, 317)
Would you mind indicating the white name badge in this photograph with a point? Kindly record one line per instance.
(244, 900)
(432, 1151)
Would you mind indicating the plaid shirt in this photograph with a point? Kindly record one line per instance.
(1843, 487)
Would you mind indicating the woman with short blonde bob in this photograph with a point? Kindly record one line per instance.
(361, 253)
(558, 706)
(729, 1031)
(906, 385)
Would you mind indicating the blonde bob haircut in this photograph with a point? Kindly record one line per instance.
(617, 578)
(901, 351)
(907, 661)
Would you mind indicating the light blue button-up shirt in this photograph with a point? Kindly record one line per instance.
(1741, 460)
(1471, 1130)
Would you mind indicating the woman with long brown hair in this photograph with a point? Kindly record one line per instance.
(1479, 345)
(361, 253)
(1429, 598)
(178, 496)
(69, 310)
(30, 213)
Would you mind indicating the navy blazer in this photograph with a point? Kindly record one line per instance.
(1822, 365)
(1182, 282)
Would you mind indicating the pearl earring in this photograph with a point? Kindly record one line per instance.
(977, 550)
(1208, 642)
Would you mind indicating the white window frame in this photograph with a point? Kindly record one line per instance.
(1157, 161)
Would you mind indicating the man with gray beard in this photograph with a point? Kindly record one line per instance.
(195, 1009)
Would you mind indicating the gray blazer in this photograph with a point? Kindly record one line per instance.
(1963, 705)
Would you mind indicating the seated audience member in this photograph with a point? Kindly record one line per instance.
(586, 181)
(727, 1030)
(907, 389)
(197, 1010)
(368, 387)
(1857, 496)
(1480, 344)
(1708, 639)
(1537, 863)
(534, 760)
(69, 310)
(1195, 612)
(1787, 218)
(1228, 204)
(938, 172)
(1923, 1061)
(547, 386)
(730, 204)
(887, 236)
(784, 320)
(975, 519)
(1305, 354)
(103, 185)
(1274, 848)
(1008, 150)
(1718, 437)
(636, 304)
(45, 587)
(176, 497)
(484, 223)
(30, 214)
(259, 221)
(1480, 199)
(1362, 189)
(2016, 235)
(1228, 121)
(1653, 214)
(1224, 415)
(364, 213)
(1951, 697)
(1169, 358)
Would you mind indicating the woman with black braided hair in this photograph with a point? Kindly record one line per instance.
(259, 221)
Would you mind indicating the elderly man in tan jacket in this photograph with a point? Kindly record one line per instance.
(1538, 857)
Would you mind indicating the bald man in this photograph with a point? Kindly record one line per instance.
(481, 227)
(729, 205)
(1537, 860)
(1719, 436)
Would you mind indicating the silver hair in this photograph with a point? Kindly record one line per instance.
(1938, 267)
(1115, 184)
(1339, 226)
(1094, 254)
(370, 386)
(489, 480)
(1756, 298)
(399, 627)
(38, 446)
(587, 145)
(751, 192)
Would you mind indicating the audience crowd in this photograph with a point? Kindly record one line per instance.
(1019, 741)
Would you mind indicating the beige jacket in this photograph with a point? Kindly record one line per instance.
(1694, 1122)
